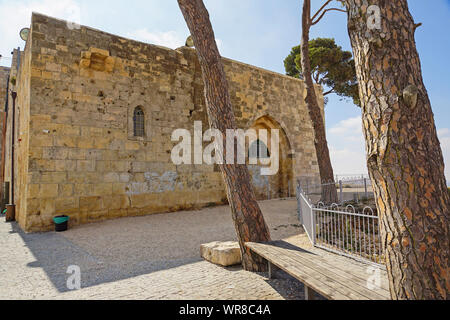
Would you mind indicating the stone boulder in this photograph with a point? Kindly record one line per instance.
(222, 253)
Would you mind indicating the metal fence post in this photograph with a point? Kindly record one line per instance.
(341, 192)
(365, 188)
(299, 201)
(314, 225)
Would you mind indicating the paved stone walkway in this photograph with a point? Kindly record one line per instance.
(151, 257)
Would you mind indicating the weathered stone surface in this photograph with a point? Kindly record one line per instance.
(222, 253)
(77, 93)
(4, 74)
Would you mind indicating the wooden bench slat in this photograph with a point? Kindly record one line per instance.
(342, 263)
(345, 278)
(344, 286)
(322, 288)
(320, 274)
(325, 286)
(354, 271)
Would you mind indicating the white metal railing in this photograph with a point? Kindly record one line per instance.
(349, 188)
(342, 230)
(306, 215)
(348, 232)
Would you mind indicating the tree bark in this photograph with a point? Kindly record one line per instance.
(329, 192)
(404, 155)
(247, 216)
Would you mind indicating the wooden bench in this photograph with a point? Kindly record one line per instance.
(332, 276)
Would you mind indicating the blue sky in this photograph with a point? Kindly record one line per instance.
(258, 32)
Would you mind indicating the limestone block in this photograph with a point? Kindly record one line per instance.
(100, 52)
(33, 191)
(53, 67)
(103, 189)
(119, 188)
(47, 206)
(66, 205)
(109, 64)
(86, 55)
(65, 190)
(82, 189)
(62, 48)
(91, 203)
(222, 253)
(48, 191)
(116, 202)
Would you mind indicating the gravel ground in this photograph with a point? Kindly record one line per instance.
(151, 257)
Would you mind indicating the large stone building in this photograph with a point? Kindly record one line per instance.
(94, 119)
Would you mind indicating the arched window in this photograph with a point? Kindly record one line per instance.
(139, 122)
(259, 150)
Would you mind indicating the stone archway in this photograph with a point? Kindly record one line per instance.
(282, 184)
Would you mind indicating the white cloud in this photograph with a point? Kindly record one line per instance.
(352, 126)
(347, 147)
(169, 39)
(444, 132)
(444, 138)
(15, 15)
(348, 162)
(347, 151)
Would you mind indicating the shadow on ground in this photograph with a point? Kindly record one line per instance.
(54, 254)
(294, 290)
(125, 248)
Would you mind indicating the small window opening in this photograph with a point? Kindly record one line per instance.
(259, 150)
(139, 122)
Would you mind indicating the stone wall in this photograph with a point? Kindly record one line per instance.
(19, 82)
(78, 154)
(4, 74)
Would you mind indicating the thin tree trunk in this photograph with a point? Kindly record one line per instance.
(247, 216)
(404, 156)
(329, 192)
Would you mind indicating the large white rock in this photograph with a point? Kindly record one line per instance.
(222, 253)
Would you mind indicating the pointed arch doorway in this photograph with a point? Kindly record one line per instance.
(280, 185)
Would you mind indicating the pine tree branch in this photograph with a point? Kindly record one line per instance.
(323, 14)
(328, 92)
(320, 10)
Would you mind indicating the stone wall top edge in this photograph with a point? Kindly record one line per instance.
(260, 69)
(36, 14)
(178, 50)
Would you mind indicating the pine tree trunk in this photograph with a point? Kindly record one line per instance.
(329, 192)
(247, 216)
(404, 156)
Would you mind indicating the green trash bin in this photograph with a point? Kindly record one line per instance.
(61, 223)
